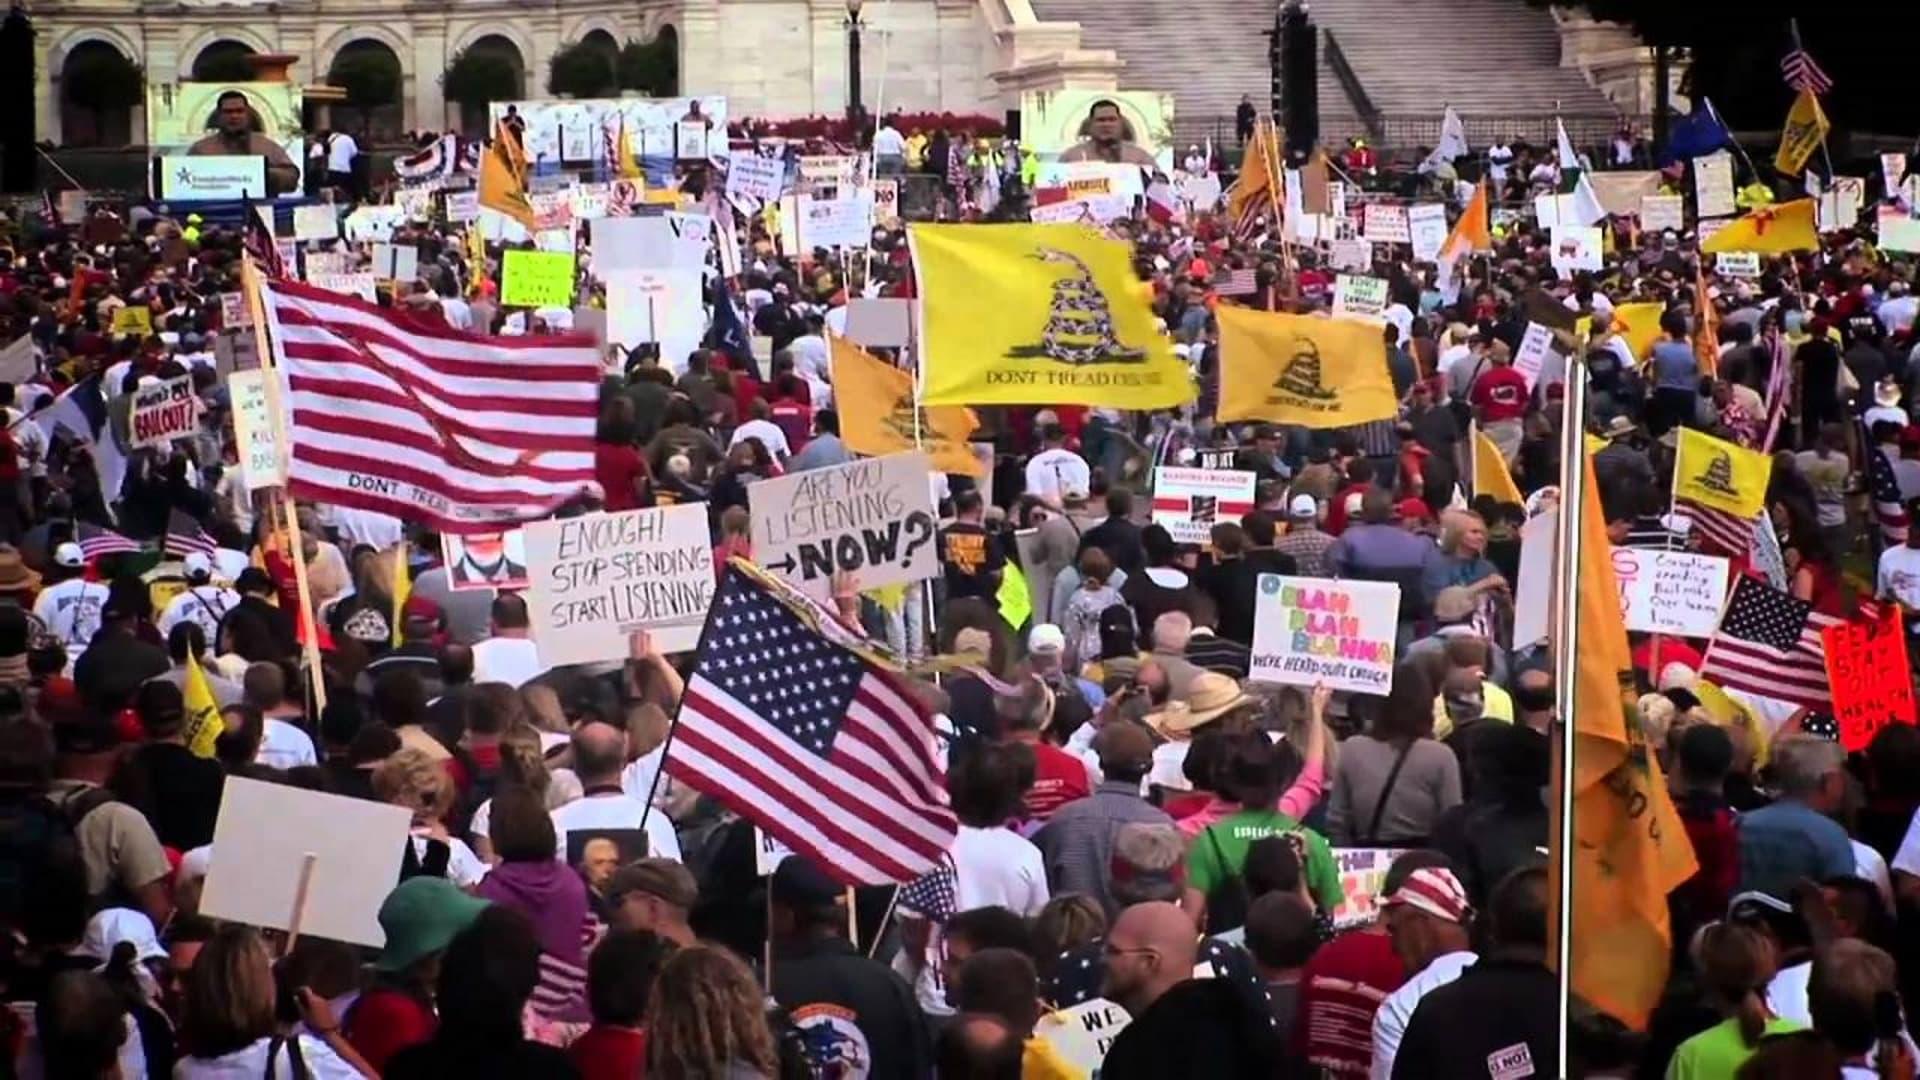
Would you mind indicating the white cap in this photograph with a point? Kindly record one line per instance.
(69, 554)
(1046, 638)
(197, 564)
(1303, 506)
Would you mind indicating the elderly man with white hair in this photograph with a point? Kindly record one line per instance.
(1170, 633)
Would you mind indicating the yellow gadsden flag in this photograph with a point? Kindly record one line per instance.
(1257, 191)
(1802, 134)
(1490, 473)
(1630, 849)
(1770, 230)
(503, 178)
(1720, 475)
(877, 413)
(1302, 369)
(203, 726)
(1639, 324)
(1037, 315)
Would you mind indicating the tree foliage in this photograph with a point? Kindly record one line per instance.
(582, 70)
(653, 67)
(101, 80)
(370, 77)
(479, 77)
(221, 63)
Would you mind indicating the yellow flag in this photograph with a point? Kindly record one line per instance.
(503, 182)
(877, 413)
(402, 588)
(1595, 443)
(1804, 131)
(1490, 473)
(629, 165)
(1014, 599)
(1639, 324)
(1706, 324)
(1719, 474)
(203, 725)
(1770, 230)
(1630, 849)
(1037, 315)
(1255, 191)
(1302, 369)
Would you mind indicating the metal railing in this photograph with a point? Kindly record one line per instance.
(1349, 81)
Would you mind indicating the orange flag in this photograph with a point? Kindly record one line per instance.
(1472, 232)
(1706, 324)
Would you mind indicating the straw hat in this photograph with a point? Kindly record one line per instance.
(14, 573)
(1210, 696)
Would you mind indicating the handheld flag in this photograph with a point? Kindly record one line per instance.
(1453, 142)
(203, 725)
(1706, 324)
(1639, 324)
(1769, 644)
(1490, 473)
(878, 416)
(1037, 315)
(1696, 134)
(402, 588)
(1300, 369)
(1577, 203)
(503, 179)
(1257, 188)
(1805, 129)
(1722, 486)
(1770, 230)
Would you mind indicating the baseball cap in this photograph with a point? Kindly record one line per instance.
(1434, 891)
(798, 882)
(1303, 506)
(422, 608)
(1413, 508)
(420, 917)
(1046, 638)
(70, 555)
(197, 564)
(663, 878)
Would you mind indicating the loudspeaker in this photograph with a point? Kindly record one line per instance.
(1300, 81)
(1013, 124)
(19, 166)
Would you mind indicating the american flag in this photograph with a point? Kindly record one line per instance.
(1720, 532)
(403, 417)
(257, 239)
(1884, 489)
(96, 541)
(1801, 72)
(1768, 644)
(1236, 282)
(790, 727)
(185, 537)
(934, 894)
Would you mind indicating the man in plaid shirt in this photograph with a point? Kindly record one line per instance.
(1304, 540)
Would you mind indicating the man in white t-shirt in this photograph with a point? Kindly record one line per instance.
(599, 754)
(370, 527)
(763, 428)
(341, 150)
(70, 607)
(1427, 919)
(510, 655)
(1056, 470)
(201, 601)
(1899, 576)
(283, 744)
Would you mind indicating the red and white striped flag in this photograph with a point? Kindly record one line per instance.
(1768, 644)
(185, 537)
(96, 541)
(396, 415)
(1720, 532)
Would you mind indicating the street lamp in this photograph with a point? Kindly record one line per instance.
(854, 26)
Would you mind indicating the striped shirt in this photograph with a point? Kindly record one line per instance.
(1652, 532)
(1076, 843)
(1211, 652)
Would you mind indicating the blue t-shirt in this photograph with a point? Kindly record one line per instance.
(1787, 841)
(1674, 367)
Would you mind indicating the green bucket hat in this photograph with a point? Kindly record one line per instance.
(420, 917)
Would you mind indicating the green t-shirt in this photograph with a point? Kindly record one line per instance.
(1221, 850)
(1719, 1051)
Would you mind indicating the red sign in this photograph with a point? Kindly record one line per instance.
(1872, 681)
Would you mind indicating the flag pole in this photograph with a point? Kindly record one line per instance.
(257, 309)
(1565, 616)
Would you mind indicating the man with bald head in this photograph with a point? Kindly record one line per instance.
(1182, 1026)
(599, 753)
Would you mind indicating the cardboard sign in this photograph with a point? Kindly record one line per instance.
(485, 562)
(263, 458)
(882, 322)
(1358, 295)
(261, 841)
(1670, 592)
(831, 223)
(1314, 630)
(1737, 264)
(1083, 1034)
(1872, 680)
(768, 853)
(360, 283)
(234, 312)
(396, 262)
(135, 320)
(1351, 255)
(19, 362)
(163, 412)
(754, 176)
(1363, 875)
(1898, 232)
(1713, 184)
(1535, 347)
(1661, 212)
(594, 580)
(1427, 228)
(227, 177)
(1576, 247)
(886, 203)
(1189, 502)
(537, 279)
(1386, 224)
(873, 519)
(317, 222)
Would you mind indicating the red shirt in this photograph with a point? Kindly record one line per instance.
(610, 1053)
(1337, 507)
(1500, 394)
(385, 1021)
(615, 468)
(1058, 779)
(1340, 990)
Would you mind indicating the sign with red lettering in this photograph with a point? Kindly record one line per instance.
(1872, 681)
(163, 412)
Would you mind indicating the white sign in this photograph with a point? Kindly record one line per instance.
(1535, 587)
(883, 322)
(263, 461)
(835, 170)
(1317, 630)
(1092, 210)
(1893, 167)
(213, 176)
(1535, 346)
(594, 580)
(1661, 212)
(1713, 184)
(669, 241)
(1189, 502)
(319, 221)
(1737, 264)
(1358, 295)
(261, 842)
(690, 140)
(360, 283)
(1576, 247)
(1082, 1035)
(164, 412)
(1427, 228)
(19, 361)
(462, 207)
(1351, 255)
(1386, 224)
(830, 223)
(751, 175)
(234, 313)
(873, 519)
(662, 306)
(1839, 206)
(886, 202)
(1670, 592)
(396, 262)
(768, 853)
(1898, 232)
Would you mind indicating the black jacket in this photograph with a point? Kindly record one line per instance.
(1235, 585)
(834, 995)
(1199, 1028)
(1120, 539)
(1496, 1017)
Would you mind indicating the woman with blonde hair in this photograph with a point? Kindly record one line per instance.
(411, 779)
(706, 1020)
(229, 1022)
(1735, 964)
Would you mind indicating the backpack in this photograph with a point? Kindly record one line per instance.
(42, 868)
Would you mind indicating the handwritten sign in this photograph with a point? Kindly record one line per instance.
(1189, 502)
(1661, 212)
(1713, 184)
(1351, 255)
(593, 580)
(831, 223)
(1576, 247)
(234, 313)
(263, 458)
(1386, 224)
(1314, 630)
(317, 222)
(1427, 227)
(135, 320)
(360, 283)
(1083, 1034)
(872, 518)
(751, 175)
(1872, 680)
(1358, 295)
(886, 203)
(163, 412)
(483, 562)
(1737, 264)
(1363, 876)
(1670, 592)
(396, 262)
(537, 279)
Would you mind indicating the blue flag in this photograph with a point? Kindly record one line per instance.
(1695, 134)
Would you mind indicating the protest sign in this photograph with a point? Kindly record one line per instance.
(1713, 184)
(1082, 1034)
(376, 223)
(1898, 232)
(830, 223)
(255, 872)
(690, 140)
(164, 411)
(360, 283)
(325, 262)
(1737, 264)
(768, 853)
(1188, 502)
(594, 580)
(1427, 228)
(872, 518)
(1535, 347)
(1893, 167)
(672, 240)
(1670, 592)
(1661, 212)
(1363, 875)
(537, 279)
(754, 176)
(1216, 458)
(1359, 295)
(1351, 255)
(234, 313)
(19, 361)
(1535, 585)
(662, 306)
(832, 170)
(234, 350)
(1317, 630)
(319, 221)
(1386, 224)
(882, 322)
(1096, 210)
(133, 320)
(263, 461)
(461, 207)
(396, 262)
(1871, 676)
(1839, 206)
(1576, 247)
(886, 202)
(484, 562)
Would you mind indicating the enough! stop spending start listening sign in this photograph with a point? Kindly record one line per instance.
(1317, 630)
